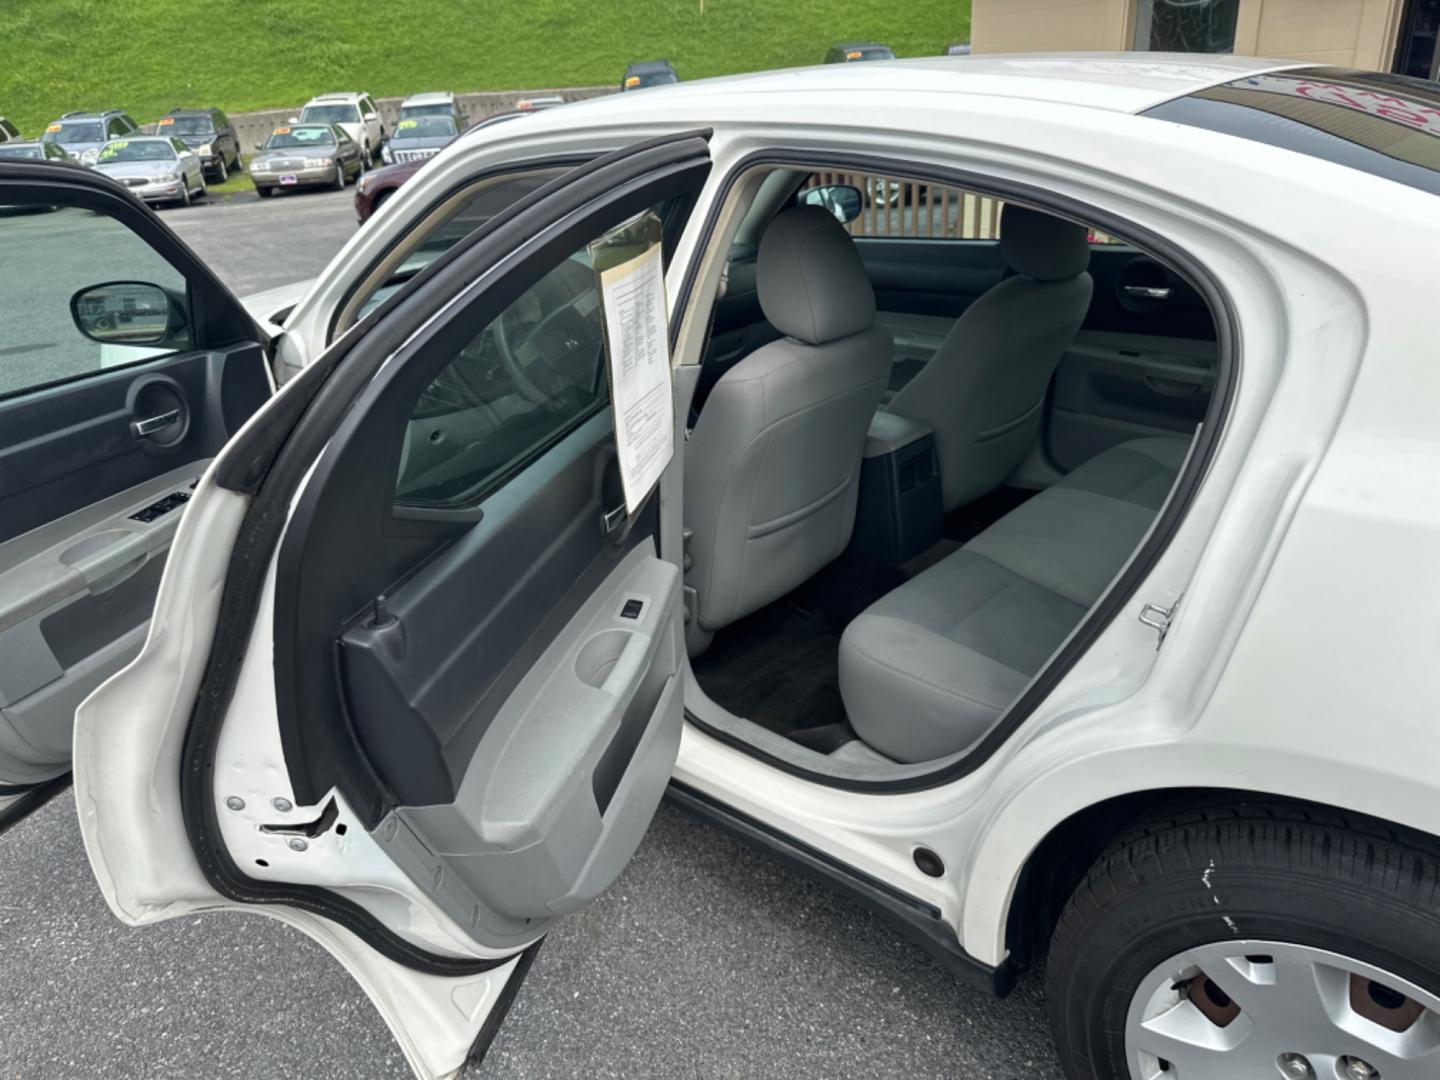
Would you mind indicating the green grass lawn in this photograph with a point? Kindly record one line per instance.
(148, 56)
(234, 184)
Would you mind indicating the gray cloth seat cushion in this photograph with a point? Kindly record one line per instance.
(983, 391)
(772, 467)
(928, 668)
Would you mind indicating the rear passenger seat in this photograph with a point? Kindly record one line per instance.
(927, 669)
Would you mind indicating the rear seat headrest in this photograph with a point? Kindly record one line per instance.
(1042, 246)
(811, 281)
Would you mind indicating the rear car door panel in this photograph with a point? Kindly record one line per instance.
(1143, 363)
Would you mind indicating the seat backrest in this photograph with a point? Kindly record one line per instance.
(983, 391)
(772, 467)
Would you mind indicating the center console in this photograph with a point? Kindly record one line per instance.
(900, 512)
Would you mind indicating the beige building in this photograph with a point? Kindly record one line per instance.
(1387, 35)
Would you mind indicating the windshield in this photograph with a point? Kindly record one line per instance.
(188, 125)
(440, 108)
(425, 127)
(284, 138)
(136, 150)
(330, 114)
(19, 151)
(67, 134)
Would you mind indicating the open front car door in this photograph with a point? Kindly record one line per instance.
(412, 684)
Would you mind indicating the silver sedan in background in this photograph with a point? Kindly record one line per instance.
(155, 168)
(305, 155)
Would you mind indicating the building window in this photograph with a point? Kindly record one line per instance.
(1415, 51)
(1200, 26)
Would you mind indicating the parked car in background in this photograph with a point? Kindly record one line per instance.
(8, 131)
(957, 48)
(850, 52)
(648, 73)
(546, 101)
(376, 186)
(34, 149)
(82, 134)
(355, 113)
(155, 168)
(419, 138)
(210, 134)
(306, 155)
(433, 103)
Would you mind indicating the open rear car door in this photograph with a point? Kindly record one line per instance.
(412, 684)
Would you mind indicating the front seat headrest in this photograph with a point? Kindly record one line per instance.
(811, 281)
(1042, 246)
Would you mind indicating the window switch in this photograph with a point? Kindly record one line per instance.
(632, 609)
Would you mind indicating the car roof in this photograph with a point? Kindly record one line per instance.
(203, 110)
(338, 95)
(83, 115)
(1122, 82)
(429, 97)
(859, 45)
(649, 65)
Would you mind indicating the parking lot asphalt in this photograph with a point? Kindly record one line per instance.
(706, 959)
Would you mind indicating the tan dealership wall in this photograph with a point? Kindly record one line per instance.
(1352, 33)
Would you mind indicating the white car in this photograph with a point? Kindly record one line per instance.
(1045, 594)
(356, 113)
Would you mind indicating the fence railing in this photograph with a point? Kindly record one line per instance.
(896, 207)
(892, 206)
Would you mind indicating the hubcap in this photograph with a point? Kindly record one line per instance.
(1272, 1009)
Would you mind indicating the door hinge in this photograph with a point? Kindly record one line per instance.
(1159, 619)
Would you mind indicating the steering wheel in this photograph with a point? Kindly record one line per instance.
(557, 342)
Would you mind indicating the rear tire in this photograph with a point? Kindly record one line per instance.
(224, 173)
(184, 193)
(338, 184)
(1277, 882)
(264, 192)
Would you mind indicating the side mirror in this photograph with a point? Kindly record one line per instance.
(125, 313)
(842, 200)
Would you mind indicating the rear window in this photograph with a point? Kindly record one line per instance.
(1386, 125)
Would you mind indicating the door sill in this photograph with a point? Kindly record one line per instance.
(30, 800)
(913, 918)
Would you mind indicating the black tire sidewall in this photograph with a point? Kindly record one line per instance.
(1161, 905)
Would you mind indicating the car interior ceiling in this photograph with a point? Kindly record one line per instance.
(913, 467)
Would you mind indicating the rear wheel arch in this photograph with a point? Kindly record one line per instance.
(1058, 864)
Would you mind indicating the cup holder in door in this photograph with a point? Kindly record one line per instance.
(159, 414)
(599, 655)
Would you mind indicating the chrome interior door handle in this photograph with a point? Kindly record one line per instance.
(1147, 292)
(612, 520)
(149, 425)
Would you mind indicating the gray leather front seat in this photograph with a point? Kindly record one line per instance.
(983, 390)
(772, 467)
